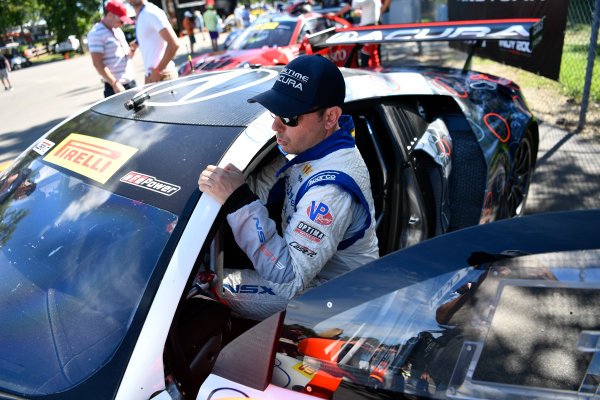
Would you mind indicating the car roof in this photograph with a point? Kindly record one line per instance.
(220, 98)
(207, 99)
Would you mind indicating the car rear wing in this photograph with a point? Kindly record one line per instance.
(527, 29)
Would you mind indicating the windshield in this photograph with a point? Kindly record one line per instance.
(74, 262)
(261, 34)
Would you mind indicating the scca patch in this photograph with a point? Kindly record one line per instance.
(303, 249)
(95, 158)
(319, 213)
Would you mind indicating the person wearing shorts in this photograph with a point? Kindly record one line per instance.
(4, 70)
(211, 21)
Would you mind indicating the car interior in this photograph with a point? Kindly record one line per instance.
(400, 181)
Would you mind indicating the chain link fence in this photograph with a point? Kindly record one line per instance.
(573, 103)
(580, 66)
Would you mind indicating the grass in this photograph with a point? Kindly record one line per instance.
(49, 57)
(574, 61)
(572, 68)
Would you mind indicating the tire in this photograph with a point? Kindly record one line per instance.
(520, 176)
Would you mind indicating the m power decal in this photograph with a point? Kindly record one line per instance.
(150, 183)
(95, 158)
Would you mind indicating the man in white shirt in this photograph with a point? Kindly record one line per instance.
(110, 51)
(369, 12)
(157, 41)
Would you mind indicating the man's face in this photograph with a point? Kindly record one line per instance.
(114, 21)
(309, 132)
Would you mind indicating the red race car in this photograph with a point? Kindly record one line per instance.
(274, 38)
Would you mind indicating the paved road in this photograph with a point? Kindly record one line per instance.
(567, 175)
(44, 95)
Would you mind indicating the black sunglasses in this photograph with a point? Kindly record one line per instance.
(293, 121)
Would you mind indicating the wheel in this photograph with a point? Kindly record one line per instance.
(520, 177)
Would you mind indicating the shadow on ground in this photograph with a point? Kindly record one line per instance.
(566, 175)
(14, 143)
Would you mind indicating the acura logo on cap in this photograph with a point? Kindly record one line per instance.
(292, 78)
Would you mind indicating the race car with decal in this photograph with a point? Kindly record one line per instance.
(112, 258)
(273, 39)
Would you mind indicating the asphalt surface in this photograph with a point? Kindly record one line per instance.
(567, 175)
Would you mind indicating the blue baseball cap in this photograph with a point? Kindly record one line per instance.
(305, 83)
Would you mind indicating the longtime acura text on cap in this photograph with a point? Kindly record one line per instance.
(290, 77)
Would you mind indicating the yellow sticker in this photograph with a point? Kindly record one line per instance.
(98, 159)
(305, 370)
(265, 26)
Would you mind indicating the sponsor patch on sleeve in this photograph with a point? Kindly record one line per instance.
(309, 232)
(95, 158)
(303, 249)
(319, 213)
(151, 183)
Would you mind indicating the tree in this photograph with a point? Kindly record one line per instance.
(16, 12)
(69, 17)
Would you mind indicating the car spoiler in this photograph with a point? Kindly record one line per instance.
(527, 29)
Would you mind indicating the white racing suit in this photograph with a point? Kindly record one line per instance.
(327, 223)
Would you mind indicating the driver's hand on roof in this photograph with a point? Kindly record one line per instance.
(219, 183)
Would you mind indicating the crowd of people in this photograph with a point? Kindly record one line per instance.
(154, 36)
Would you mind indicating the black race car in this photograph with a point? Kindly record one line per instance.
(106, 240)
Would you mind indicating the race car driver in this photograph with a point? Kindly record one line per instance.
(328, 214)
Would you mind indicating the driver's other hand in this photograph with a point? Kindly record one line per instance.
(219, 183)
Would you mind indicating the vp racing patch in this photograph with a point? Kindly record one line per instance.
(150, 183)
(92, 157)
(319, 213)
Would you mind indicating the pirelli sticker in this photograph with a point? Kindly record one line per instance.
(95, 158)
(151, 183)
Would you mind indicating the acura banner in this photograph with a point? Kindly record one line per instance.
(544, 59)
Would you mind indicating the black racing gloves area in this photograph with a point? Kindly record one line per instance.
(239, 198)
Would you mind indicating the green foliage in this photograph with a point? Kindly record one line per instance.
(574, 61)
(16, 12)
(69, 17)
(64, 17)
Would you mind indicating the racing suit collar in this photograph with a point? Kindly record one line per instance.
(340, 139)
